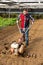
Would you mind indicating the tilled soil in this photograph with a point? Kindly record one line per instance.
(34, 50)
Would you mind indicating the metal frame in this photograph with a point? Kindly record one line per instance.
(20, 5)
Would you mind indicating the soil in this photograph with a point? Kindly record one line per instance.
(34, 50)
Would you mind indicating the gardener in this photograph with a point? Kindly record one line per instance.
(24, 19)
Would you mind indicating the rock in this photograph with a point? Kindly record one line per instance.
(34, 55)
(29, 55)
(4, 52)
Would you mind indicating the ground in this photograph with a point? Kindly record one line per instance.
(35, 48)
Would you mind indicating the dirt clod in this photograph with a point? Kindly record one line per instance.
(34, 55)
(6, 47)
(4, 52)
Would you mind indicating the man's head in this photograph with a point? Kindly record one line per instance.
(25, 11)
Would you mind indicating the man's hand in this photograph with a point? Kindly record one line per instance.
(24, 29)
(17, 21)
(32, 22)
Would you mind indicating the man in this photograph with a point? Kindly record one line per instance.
(24, 19)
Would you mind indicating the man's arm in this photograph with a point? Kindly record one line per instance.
(31, 18)
(18, 19)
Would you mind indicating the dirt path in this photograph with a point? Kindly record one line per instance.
(35, 48)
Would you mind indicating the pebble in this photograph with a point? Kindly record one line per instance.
(32, 55)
